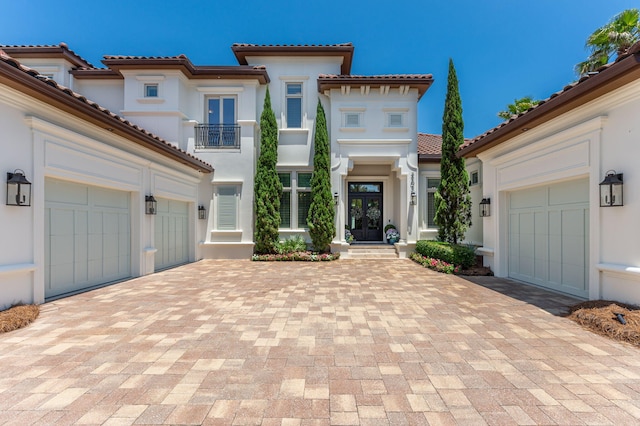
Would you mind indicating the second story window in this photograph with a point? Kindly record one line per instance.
(352, 119)
(151, 90)
(220, 130)
(395, 119)
(293, 106)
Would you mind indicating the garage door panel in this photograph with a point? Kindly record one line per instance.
(87, 237)
(565, 193)
(549, 244)
(171, 233)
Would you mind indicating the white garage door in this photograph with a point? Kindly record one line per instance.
(549, 236)
(171, 233)
(87, 237)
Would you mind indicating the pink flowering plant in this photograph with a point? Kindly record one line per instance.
(435, 264)
(300, 256)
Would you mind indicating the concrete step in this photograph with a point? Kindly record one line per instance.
(372, 251)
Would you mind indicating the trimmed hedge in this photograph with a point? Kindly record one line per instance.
(450, 253)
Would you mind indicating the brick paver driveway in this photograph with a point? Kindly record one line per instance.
(345, 343)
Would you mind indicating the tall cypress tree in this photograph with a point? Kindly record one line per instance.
(321, 218)
(268, 188)
(452, 200)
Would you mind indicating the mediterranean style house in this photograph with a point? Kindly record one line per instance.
(148, 162)
(97, 143)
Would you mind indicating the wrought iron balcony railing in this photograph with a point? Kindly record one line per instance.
(217, 136)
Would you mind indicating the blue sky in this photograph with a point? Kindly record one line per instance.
(502, 49)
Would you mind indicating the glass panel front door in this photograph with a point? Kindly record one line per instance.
(365, 211)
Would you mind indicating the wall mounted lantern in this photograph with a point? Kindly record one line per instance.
(18, 189)
(611, 189)
(202, 212)
(150, 205)
(413, 200)
(485, 207)
(335, 198)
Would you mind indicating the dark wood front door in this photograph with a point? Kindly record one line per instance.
(365, 211)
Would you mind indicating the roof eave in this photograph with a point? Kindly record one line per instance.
(241, 53)
(188, 69)
(619, 74)
(429, 158)
(42, 51)
(336, 83)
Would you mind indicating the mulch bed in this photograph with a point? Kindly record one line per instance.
(17, 317)
(600, 317)
(476, 271)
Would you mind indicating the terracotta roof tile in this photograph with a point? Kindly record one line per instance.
(554, 98)
(43, 49)
(4, 57)
(292, 45)
(376, 77)
(429, 144)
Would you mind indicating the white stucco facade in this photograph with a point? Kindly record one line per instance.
(569, 155)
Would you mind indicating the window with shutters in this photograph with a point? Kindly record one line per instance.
(227, 208)
(432, 187)
(285, 200)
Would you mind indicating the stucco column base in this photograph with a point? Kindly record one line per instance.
(340, 247)
(404, 249)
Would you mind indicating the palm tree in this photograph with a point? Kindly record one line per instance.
(614, 38)
(518, 106)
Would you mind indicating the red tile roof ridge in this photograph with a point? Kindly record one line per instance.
(349, 44)
(62, 45)
(378, 76)
(137, 57)
(34, 73)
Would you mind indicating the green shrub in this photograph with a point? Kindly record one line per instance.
(450, 253)
(389, 226)
(292, 244)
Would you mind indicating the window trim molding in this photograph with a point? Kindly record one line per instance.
(303, 80)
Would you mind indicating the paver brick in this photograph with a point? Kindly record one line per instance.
(347, 342)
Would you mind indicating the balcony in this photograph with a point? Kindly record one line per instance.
(217, 136)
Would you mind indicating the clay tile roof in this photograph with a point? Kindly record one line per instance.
(332, 81)
(33, 51)
(429, 145)
(181, 62)
(75, 103)
(344, 50)
(605, 79)
(292, 45)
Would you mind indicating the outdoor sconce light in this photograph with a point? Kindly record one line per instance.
(413, 199)
(202, 212)
(485, 207)
(18, 189)
(611, 189)
(150, 204)
(335, 198)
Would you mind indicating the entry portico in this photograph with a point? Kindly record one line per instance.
(374, 160)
